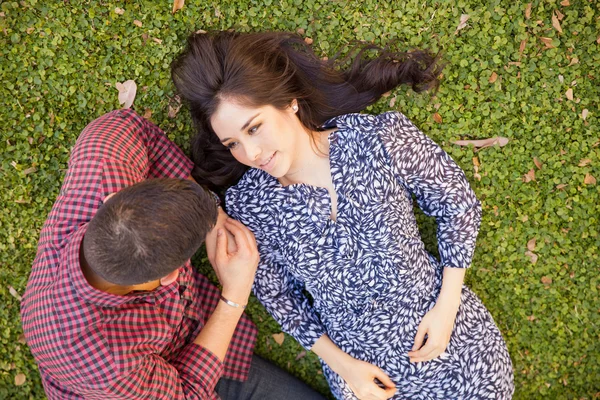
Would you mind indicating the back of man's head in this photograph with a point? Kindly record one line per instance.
(146, 231)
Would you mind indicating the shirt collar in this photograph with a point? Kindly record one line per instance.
(97, 297)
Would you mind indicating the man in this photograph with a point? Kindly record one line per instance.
(113, 307)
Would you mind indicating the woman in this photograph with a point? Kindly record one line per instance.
(328, 197)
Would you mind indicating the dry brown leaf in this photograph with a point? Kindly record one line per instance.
(598, 40)
(300, 31)
(13, 292)
(127, 91)
(437, 118)
(569, 94)
(547, 42)
(589, 179)
(532, 256)
(137, 23)
(393, 101)
(529, 176)
(556, 23)
(476, 162)
(157, 40)
(528, 11)
(437, 106)
(565, 3)
(22, 339)
(537, 163)
(177, 5)
(30, 30)
(2, 14)
(119, 11)
(561, 186)
(463, 22)
(531, 245)
(561, 79)
(29, 170)
(483, 143)
(301, 355)
(147, 113)
(546, 280)
(525, 218)
(584, 113)
(20, 379)
(559, 15)
(574, 61)
(522, 46)
(531, 318)
(493, 77)
(279, 338)
(308, 41)
(584, 162)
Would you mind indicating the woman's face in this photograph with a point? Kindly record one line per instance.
(265, 137)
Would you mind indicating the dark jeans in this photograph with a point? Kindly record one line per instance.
(266, 382)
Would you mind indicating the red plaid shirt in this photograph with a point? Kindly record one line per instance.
(94, 345)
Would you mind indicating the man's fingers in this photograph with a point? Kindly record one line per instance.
(241, 233)
(221, 251)
(247, 232)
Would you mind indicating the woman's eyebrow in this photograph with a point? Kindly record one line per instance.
(249, 121)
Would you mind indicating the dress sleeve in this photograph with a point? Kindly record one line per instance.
(274, 286)
(282, 295)
(439, 185)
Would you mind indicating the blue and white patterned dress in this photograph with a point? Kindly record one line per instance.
(368, 272)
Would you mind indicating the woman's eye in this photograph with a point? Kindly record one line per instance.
(232, 145)
(254, 129)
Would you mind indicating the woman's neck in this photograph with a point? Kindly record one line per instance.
(311, 165)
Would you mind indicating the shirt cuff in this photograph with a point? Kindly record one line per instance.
(199, 367)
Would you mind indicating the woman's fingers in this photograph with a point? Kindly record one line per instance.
(419, 337)
(384, 378)
(428, 352)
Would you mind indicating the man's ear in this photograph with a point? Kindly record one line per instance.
(172, 277)
(108, 197)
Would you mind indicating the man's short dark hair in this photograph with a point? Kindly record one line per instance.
(146, 231)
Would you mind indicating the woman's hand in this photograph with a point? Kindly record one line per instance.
(361, 375)
(437, 324)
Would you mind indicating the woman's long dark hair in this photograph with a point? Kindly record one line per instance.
(274, 68)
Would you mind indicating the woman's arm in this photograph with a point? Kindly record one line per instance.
(359, 375)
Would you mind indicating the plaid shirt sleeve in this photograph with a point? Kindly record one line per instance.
(193, 375)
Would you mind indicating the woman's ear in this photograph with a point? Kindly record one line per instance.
(294, 106)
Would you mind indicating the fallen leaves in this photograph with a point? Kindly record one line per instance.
(279, 338)
(528, 11)
(483, 143)
(119, 11)
(589, 179)
(522, 46)
(547, 42)
(537, 163)
(529, 176)
(546, 280)
(565, 3)
(569, 93)
(301, 355)
(177, 5)
(308, 41)
(556, 23)
(437, 118)
(13, 292)
(127, 91)
(463, 22)
(20, 379)
(533, 258)
(584, 113)
(476, 166)
(137, 23)
(493, 77)
(531, 244)
(174, 106)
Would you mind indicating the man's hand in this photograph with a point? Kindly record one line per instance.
(235, 265)
(211, 237)
(361, 375)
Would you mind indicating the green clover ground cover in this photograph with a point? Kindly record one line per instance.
(511, 72)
